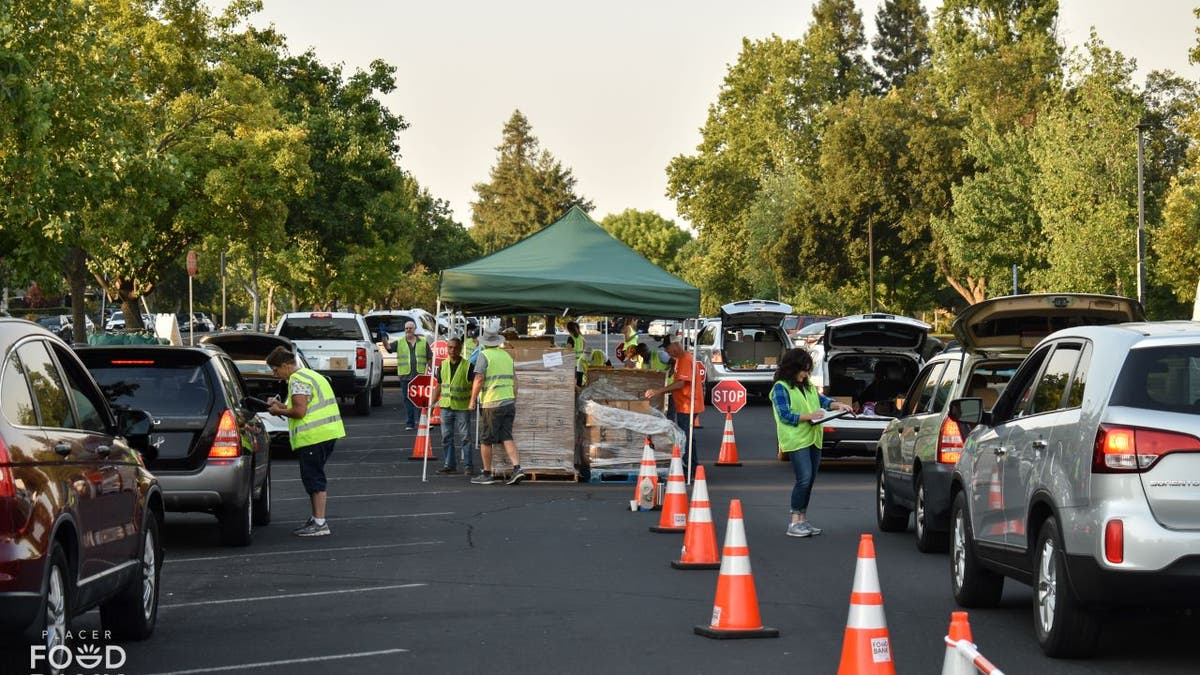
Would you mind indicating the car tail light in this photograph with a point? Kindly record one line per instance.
(320, 315)
(1121, 449)
(7, 492)
(1114, 541)
(226, 445)
(360, 358)
(717, 357)
(950, 442)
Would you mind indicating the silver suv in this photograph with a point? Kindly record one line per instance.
(918, 450)
(1084, 480)
(745, 344)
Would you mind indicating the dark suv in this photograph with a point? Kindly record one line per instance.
(212, 451)
(79, 512)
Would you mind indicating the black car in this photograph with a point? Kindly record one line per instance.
(212, 450)
(79, 512)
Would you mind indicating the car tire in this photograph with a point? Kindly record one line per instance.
(237, 522)
(262, 505)
(928, 541)
(53, 623)
(362, 403)
(888, 516)
(133, 612)
(377, 394)
(1065, 629)
(971, 583)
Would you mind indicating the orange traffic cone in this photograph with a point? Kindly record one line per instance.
(645, 493)
(729, 454)
(996, 507)
(421, 446)
(435, 417)
(866, 648)
(696, 421)
(674, 506)
(955, 663)
(699, 539)
(735, 609)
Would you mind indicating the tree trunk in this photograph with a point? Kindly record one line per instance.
(521, 323)
(128, 296)
(77, 278)
(254, 293)
(270, 308)
(550, 329)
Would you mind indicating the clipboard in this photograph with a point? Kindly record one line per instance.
(831, 416)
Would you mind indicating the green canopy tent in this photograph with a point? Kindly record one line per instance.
(570, 267)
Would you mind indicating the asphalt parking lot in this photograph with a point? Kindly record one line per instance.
(442, 576)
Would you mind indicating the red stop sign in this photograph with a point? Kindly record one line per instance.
(419, 389)
(728, 396)
(191, 263)
(441, 350)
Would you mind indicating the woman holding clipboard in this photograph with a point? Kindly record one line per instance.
(798, 410)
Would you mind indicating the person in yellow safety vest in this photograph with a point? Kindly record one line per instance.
(314, 425)
(494, 391)
(630, 343)
(453, 383)
(412, 357)
(575, 342)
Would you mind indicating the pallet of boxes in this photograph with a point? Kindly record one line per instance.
(544, 426)
(617, 421)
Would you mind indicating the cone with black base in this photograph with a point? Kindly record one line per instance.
(735, 609)
(699, 539)
(675, 502)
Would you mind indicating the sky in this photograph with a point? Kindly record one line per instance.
(612, 89)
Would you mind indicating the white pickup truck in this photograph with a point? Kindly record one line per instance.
(338, 345)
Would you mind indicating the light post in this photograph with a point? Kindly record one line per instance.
(1141, 229)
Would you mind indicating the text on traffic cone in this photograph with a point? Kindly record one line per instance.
(675, 502)
(866, 647)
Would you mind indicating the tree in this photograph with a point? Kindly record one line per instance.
(901, 43)
(657, 239)
(528, 189)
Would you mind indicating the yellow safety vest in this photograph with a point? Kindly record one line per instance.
(579, 347)
(498, 380)
(456, 388)
(321, 422)
(404, 365)
(803, 435)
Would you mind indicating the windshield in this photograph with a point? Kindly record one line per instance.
(1160, 378)
(161, 389)
(392, 324)
(322, 329)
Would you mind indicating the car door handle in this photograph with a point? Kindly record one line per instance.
(1040, 444)
(63, 449)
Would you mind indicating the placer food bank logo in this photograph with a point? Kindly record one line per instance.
(86, 657)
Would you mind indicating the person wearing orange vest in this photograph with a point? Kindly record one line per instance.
(412, 355)
(684, 397)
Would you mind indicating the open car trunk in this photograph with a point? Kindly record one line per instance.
(754, 348)
(850, 378)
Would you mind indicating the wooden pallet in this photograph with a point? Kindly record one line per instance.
(552, 476)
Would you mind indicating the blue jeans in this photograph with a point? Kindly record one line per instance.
(411, 410)
(456, 437)
(684, 421)
(804, 463)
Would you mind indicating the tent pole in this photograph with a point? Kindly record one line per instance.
(429, 403)
(692, 416)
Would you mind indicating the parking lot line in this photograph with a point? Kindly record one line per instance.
(207, 558)
(397, 515)
(338, 479)
(374, 494)
(286, 662)
(287, 596)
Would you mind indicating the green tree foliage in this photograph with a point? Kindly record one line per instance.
(528, 189)
(657, 239)
(901, 43)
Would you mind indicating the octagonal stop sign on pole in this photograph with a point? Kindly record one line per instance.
(419, 389)
(441, 351)
(728, 396)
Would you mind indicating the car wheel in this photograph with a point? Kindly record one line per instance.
(973, 585)
(262, 505)
(1064, 628)
(928, 541)
(377, 394)
(52, 628)
(362, 403)
(889, 517)
(237, 522)
(133, 613)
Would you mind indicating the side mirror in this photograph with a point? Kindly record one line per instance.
(966, 410)
(255, 405)
(135, 426)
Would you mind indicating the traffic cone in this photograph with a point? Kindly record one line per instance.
(729, 453)
(699, 539)
(435, 417)
(955, 663)
(696, 421)
(735, 609)
(421, 446)
(674, 506)
(645, 493)
(866, 648)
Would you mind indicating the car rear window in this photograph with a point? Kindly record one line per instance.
(1160, 378)
(392, 324)
(158, 388)
(323, 329)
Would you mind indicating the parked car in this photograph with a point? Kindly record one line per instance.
(388, 324)
(249, 353)
(868, 360)
(212, 451)
(341, 347)
(1084, 480)
(810, 336)
(795, 323)
(662, 327)
(60, 325)
(745, 344)
(80, 515)
(918, 450)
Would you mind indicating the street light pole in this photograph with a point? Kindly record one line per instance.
(1141, 229)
